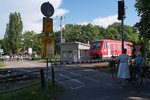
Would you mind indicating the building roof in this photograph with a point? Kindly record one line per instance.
(76, 42)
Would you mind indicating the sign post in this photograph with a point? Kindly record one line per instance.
(47, 39)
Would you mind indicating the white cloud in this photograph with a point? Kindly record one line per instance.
(104, 22)
(60, 12)
(30, 11)
(83, 23)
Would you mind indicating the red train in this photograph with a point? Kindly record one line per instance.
(107, 48)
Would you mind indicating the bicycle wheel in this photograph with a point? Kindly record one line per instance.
(136, 79)
(147, 76)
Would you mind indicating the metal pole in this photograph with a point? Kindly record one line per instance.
(53, 74)
(122, 33)
(42, 78)
(61, 28)
(47, 34)
(122, 29)
(47, 73)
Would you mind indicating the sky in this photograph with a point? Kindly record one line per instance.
(96, 12)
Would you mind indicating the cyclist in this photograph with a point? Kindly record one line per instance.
(139, 62)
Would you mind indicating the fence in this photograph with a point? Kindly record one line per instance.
(12, 82)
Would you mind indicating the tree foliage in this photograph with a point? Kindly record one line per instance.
(30, 39)
(143, 9)
(15, 42)
(143, 26)
(89, 32)
(12, 37)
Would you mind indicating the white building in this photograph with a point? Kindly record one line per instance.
(74, 51)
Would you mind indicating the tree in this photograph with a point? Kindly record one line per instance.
(72, 32)
(30, 39)
(143, 26)
(12, 37)
(27, 40)
(143, 9)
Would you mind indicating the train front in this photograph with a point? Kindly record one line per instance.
(95, 50)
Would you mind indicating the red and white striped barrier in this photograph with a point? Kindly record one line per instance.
(81, 62)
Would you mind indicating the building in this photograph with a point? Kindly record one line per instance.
(74, 51)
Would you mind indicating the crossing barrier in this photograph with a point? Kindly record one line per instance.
(80, 62)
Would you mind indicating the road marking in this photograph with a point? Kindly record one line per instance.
(73, 80)
(77, 87)
(82, 76)
(64, 76)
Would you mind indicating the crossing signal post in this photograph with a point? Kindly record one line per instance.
(121, 16)
(47, 40)
(121, 11)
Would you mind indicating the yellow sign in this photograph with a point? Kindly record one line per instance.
(47, 25)
(47, 47)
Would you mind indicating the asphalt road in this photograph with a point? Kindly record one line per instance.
(88, 84)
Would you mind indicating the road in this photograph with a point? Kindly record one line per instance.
(88, 84)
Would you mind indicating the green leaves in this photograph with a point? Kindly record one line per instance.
(89, 32)
(12, 37)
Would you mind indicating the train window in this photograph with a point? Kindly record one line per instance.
(114, 47)
(96, 45)
(119, 48)
(105, 45)
(108, 45)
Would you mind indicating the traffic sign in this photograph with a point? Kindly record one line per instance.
(47, 9)
(47, 47)
(47, 25)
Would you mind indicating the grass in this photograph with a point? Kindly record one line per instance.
(34, 93)
(2, 64)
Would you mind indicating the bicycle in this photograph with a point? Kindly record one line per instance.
(145, 73)
(135, 77)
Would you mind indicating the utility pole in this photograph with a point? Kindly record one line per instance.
(60, 29)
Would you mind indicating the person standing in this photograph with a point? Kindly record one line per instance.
(123, 70)
(139, 61)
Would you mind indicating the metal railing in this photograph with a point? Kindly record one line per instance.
(22, 80)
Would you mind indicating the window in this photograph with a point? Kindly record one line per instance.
(96, 45)
(64, 54)
(70, 55)
(119, 48)
(83, 53)
(114, 47)
(105, 45)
